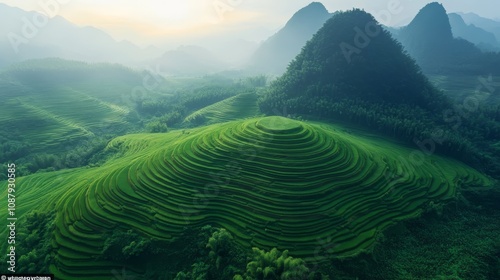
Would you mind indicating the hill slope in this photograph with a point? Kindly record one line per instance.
(51, 105)
(241, 106)
(276, 52)
(271, 182)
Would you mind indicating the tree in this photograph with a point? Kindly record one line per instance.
(156, 127)
(274, 265)
(124, 245)
(35, 249)
(221, 259)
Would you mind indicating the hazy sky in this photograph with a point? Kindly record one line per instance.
(154, 21)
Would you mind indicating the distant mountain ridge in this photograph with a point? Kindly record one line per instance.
(277, 52)
(481, 38)
(189, 61)
(24, 35)
(487, 24)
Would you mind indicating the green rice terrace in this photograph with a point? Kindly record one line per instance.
(237, 107)
(271, 182)
(62, 113)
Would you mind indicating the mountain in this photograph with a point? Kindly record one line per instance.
(189, 61)
(25, 35)
(276, 52)
(362, 76)
(429, 39)
(342, 61)
(433, 18)
(483, 39)
(487, 24)
(353, 71)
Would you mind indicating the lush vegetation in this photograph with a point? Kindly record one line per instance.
(455, 242)
(207, 103)
(117, 178)
(382, 88)
(241, 106)
(325, 72)
(35, 234)
(59, 114)
(267, 181)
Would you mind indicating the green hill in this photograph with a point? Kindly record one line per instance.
(49, 106)
(271, 182)
(240, 106)
(334, 65)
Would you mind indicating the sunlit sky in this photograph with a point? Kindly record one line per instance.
(155, 21)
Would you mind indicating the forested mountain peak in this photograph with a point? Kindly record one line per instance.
(429, 40)
(431, 24)
(352, 56)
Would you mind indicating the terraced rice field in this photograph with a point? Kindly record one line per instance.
(49, 116)
(461, 87)
(237, 107)
(271, 182)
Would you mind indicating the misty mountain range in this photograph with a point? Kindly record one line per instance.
(484, 23)
(25, 35)
(274, 54)
(480, 37)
